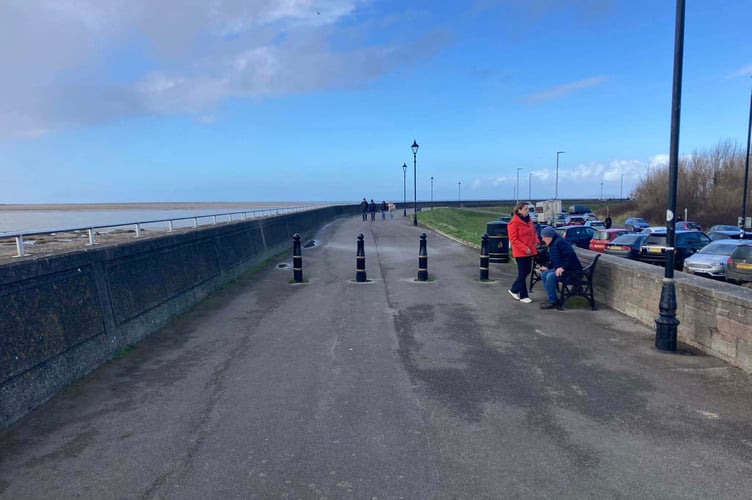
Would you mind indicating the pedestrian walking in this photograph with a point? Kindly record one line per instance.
(372, 210)
(383, 208)
(392, 207)
(524, 241)
(608, 222)
(364, 209)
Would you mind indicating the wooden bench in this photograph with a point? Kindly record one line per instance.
(572, 284)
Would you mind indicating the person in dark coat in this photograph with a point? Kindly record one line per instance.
(383, 208)
(563, 259)
(608, 222)
(372, 209)
(364, 209)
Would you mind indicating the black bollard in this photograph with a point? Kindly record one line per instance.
(423, 259)
(484, 257)
(297, 259)
(360, 262)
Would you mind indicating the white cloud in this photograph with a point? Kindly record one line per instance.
(741, 72)
(563, 90)
(64, 60)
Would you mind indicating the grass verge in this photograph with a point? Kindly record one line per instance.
(461, 223)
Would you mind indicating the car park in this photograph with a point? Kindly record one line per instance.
(711, 259)
(739, 264)
(579, 236)
(653, 249)
(636, 224)
(627, 245)
(721, 231)
(575, 220)
(604, 236)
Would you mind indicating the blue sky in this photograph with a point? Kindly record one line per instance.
(296, 100)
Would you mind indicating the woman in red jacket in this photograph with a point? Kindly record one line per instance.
(524, 241)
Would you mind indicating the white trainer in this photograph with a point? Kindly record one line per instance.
(526, 300)
(515, 296)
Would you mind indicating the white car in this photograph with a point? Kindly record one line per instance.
(711, 259)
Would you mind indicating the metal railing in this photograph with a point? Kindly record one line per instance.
(198, 220)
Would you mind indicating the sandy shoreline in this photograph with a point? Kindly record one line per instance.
(153, 205)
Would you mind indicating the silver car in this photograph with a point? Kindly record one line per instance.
(711, 259)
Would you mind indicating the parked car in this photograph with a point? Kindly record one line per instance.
(575, 220)
(595, 224)
(576, 235)
(688, 226)
(590, 216)
(627, 245)
(711, 259)
(653, 249)
(654, 229)
(739, 264)
(579, 209)
(603, 237)
(636, 224)
(560, 219)
(721, 231)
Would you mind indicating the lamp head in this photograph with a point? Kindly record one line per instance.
(415, 147)
(404, 167)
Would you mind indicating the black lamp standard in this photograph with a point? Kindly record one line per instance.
(415, 182)
(404, 189)
(743, 223)
(432, 192)
(666, 323)
(459, 193)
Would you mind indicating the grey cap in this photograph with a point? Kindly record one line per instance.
(548, 232)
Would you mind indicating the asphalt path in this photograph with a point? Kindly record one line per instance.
(393, 388)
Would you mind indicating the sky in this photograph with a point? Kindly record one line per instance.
(320, 100)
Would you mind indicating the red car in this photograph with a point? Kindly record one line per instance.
(602, 237)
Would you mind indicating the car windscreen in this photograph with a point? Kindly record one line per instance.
(743, 252)
(655, 239)
(718, 248)
(627, 239)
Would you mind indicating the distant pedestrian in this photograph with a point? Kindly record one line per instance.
(383, 208)
(608, 222)
(524, 241)
(392, 208)
(372, 210)
(563, 259)
(364, 209)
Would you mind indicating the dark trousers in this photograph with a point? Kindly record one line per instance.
(365, 215)
(524, 266)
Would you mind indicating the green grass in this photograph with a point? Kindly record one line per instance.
(462, 223)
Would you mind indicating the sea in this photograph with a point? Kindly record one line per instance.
(18, 218)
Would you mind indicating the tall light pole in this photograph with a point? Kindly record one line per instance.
(459, 193)
(414, 147)
(432, 192)
(746, 168)
(621, 188)
(517, 189)
(601, 190)
(404, 189)
(530, 187)
(556, 187)
(666, 324)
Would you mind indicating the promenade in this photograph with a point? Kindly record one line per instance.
(446, 389)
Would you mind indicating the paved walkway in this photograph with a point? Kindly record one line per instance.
(389, 389)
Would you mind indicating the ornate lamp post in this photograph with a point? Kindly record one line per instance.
(415, 182)
(404, 189)
(666, 323)
(556, 187)
(459, 193)
(432, 192)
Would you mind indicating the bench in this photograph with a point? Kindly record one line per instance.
(572, 284)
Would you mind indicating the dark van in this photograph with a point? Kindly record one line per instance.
(579, 209)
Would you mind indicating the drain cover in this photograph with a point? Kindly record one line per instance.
(283, 266)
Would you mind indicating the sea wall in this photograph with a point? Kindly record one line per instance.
(715, 317)
(61, 316)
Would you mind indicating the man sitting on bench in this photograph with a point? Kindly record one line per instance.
(563, 259)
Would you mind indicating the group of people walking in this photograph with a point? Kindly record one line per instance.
(524, 241)
(370, 208)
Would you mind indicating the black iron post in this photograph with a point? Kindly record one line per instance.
(484, 257)
(415, 182)
(360, 261)
(423, 259)
(746, 170)
(432, 192)
(666, 323)
(297, 259)
(404, 189)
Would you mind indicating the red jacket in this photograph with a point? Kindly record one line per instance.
(522, 237)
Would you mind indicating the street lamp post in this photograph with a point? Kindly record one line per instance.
(556, 187)
(601, 190)
(517, 189)
(666, 324)
(404, 189)
(530, 187)
(414, 147)
(432, 192)
(746, 168)
(621, 188)
(459, 193)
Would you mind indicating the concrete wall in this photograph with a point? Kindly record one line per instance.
(64, 315)
(715, 316)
